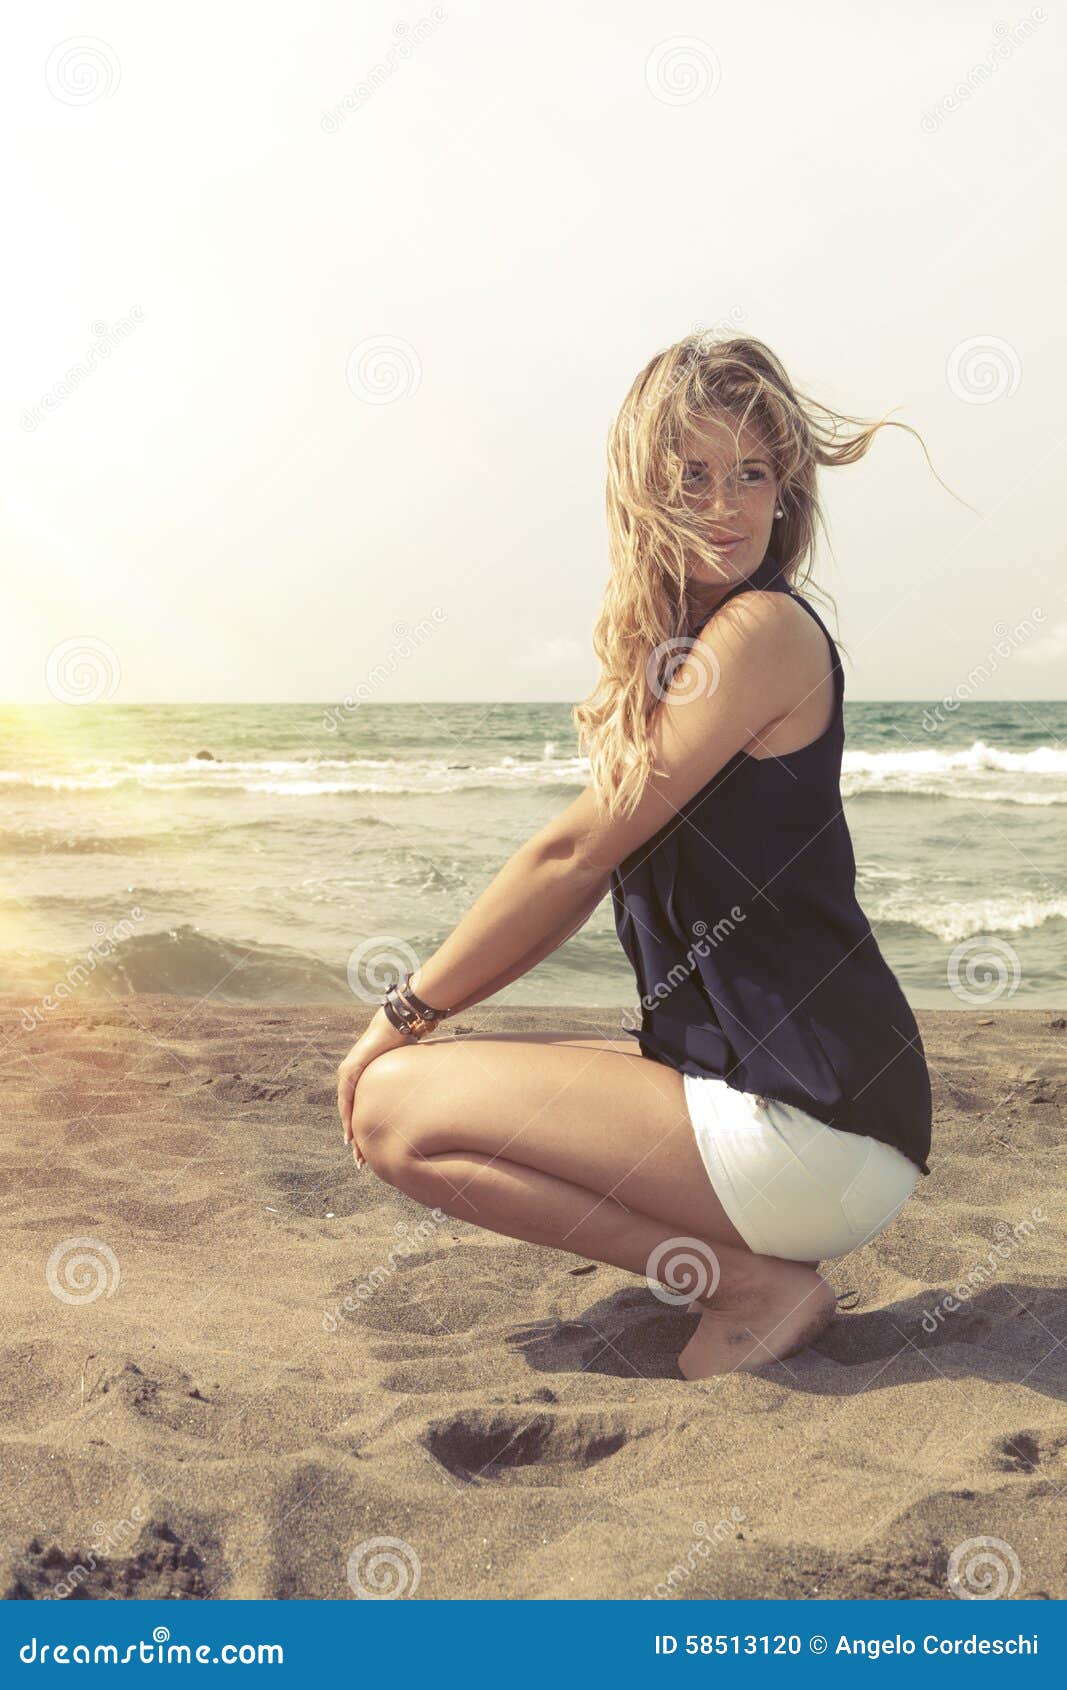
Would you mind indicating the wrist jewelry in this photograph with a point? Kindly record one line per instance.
(409, 1013)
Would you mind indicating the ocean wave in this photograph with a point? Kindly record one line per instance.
(310, 777)
(183, 961)
(982, 773)
(979, 772)
(49, 842)
(958, 919)
(975, 758)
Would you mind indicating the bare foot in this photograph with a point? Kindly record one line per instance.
(781, 1309)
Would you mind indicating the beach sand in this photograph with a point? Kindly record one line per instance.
(192, 1410)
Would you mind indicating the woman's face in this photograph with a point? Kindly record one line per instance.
(728, 477)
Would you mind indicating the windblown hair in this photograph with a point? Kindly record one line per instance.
(655, 533)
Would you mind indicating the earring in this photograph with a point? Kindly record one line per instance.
(779, 512)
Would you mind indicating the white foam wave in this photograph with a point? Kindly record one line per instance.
(980, 772)
(1041, 760)
(957, 919)
(310, 777)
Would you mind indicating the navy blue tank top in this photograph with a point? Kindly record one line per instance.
(753, 959)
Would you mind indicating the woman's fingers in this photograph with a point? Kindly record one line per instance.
(346, 1094)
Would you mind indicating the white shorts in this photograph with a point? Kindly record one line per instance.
(792, 1186)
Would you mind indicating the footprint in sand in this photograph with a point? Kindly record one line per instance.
(537, 1447)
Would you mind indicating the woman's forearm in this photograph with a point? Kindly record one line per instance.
(551, 942)
(538, 899)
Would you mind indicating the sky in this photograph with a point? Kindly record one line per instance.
(351, 295)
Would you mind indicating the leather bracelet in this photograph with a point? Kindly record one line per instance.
(409, 1013)
(394, 1015)
(425, 1010)
(404, 1017)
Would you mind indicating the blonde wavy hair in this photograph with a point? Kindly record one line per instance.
(654, 530)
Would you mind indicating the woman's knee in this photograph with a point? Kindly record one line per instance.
(380, 1118)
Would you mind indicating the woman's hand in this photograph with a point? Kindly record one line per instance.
(380, 1036)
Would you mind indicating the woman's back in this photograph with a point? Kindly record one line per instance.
(754, 961)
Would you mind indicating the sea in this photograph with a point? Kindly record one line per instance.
(281, 853)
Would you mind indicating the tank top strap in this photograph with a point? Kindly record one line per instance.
(835, 656)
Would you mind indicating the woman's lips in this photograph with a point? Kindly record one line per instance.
(728, 545)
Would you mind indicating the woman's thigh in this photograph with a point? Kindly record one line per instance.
(590, 1110)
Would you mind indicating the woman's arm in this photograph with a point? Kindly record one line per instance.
(751, 664)
(757, 658)
(549, 943)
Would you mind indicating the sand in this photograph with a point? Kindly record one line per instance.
(194, 1411)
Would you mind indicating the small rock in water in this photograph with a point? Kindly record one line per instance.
(207, 756)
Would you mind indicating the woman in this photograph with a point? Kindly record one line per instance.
(776, 1112)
